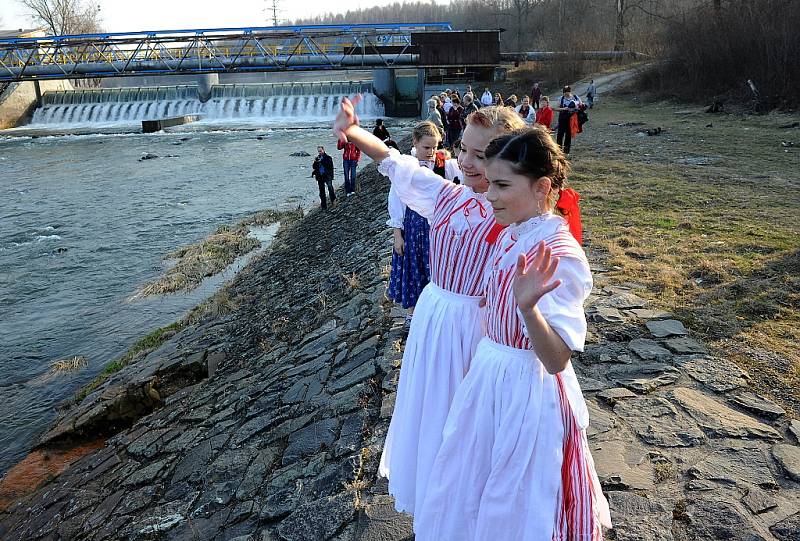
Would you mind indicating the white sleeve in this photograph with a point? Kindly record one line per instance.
(416, 186)
(452, 170)
(397, 209)
(562, 308)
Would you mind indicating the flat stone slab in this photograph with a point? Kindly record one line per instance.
(614, 352)
(623, 465)
(644, 378)
(737, 464)
(718, 419)
(607, 314)
(666, 327)
(381, 522)
(600, 421)
(788, 456)
(683, 345)
(311, 440)
(787, 529)
(794, 429)
(318, 519)
(612, 396)
(757, 404)
(638, 518)
(719, 375)
(644, 313)
(716, 519)
(658, 422)
(623, 301)
(759, 501)
(649, 350)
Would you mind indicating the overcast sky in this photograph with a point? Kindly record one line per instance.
(134, 15)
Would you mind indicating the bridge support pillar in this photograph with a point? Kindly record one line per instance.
(423, 106)
(38, 90)
(384, 85)
(204, 84)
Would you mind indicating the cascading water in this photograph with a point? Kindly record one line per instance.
(243, 103)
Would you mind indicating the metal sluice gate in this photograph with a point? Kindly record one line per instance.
(220, 50)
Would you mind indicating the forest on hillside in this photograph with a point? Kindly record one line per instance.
(707, 47)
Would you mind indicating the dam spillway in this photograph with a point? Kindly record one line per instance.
(269, 103)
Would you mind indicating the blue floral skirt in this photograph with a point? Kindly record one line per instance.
(411, 271)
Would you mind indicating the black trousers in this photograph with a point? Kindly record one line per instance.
(564, 135)
(322, 183)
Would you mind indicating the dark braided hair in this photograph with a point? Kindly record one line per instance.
(533, 153)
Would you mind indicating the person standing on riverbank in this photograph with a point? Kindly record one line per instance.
(568, 105)
(322, 170)
(536, 94)
(448, 318)
(350, 158)
(514, 463)
(410, 260)
(591, 93)
(544, 115)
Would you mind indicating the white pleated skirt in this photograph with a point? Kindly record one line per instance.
(497, 474)
(444, 334)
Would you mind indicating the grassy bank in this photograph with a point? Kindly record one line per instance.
(195, 262)
(210, 256)
(704, 218)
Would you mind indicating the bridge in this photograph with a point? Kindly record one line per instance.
(229, 50)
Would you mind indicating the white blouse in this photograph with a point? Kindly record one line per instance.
(562, 307)
(397, 209)
(463, 227)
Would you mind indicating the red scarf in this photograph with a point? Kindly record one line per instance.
(568, 205)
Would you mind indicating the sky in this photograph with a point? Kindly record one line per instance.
(137, 15)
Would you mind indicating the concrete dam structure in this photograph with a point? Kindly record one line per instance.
(296, 102)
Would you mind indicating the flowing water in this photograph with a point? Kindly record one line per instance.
(279, 103)
(84, 223)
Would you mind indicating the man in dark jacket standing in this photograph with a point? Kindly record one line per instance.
(323, 172)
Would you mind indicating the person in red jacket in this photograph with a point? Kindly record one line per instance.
(350, 158)
(544, 115)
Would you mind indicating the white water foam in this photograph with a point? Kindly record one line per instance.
(220, 109)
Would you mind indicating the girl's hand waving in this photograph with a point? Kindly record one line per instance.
(534, 281)
(346, 117)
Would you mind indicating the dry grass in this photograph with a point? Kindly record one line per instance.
(213, 254)
(144, 346)
(69, 365)
(717, 244)
(352, 280)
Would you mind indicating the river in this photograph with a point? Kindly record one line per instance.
(84, 223)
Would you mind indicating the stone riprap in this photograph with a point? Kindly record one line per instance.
(267, 423)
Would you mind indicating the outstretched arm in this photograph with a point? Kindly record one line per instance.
(346, 128)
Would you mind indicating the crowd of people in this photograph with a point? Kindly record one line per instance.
(448, 111)
(487, 439)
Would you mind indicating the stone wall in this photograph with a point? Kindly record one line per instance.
(18, 102)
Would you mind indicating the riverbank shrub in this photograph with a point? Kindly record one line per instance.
(712, 52)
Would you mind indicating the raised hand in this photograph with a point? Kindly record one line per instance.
(534, 281)
(346, 117)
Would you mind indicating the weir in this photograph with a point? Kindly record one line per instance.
(268, 102)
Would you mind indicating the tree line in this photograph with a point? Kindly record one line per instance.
(702, 48)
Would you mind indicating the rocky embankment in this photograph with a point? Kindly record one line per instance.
(266, 423)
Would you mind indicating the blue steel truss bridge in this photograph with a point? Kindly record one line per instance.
(230, 50)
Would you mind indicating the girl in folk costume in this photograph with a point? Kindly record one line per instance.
(514, 463)
(410, 268)
(448, 319)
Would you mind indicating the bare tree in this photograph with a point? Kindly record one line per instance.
(62, 17)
